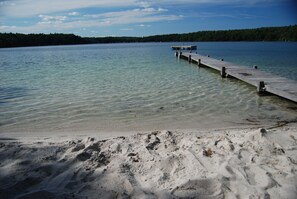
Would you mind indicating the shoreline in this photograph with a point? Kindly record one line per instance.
(213, 163)
(111, 134)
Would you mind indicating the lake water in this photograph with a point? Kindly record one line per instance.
(133, 87)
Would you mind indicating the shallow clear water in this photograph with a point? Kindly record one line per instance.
(124, 87)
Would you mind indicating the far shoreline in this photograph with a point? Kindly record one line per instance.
(283, 34)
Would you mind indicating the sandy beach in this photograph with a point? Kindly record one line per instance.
(229, 163)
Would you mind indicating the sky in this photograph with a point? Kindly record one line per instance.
(100, 18)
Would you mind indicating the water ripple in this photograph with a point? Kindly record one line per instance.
(103, 86)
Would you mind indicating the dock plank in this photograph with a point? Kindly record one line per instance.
(280, 86)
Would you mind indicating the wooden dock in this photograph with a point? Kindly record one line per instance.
(184, 47)
(263, 81)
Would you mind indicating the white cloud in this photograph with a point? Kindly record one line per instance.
(5, 3)
(133, 16)
(7, 28)
(144, 25)
(129, 13)
(144, 4)
(64, 15)
(162, 10)
(73, 14)
(62, 23)
(23, 8)
(52, 18)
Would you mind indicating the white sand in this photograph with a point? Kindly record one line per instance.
(234, 163)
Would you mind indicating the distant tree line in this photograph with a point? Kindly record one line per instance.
(20, 40)
(286, 33)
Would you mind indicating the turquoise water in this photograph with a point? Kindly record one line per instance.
(142, 86)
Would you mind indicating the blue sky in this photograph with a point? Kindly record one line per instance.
(142, 17)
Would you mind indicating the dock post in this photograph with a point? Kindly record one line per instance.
(199, 62)
(190, 58)
(223, 72)
(176, 54)
(180, 54)
(261, 87)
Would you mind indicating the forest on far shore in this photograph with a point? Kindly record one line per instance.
(285, 33)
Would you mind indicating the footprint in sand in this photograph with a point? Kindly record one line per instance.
(169, 164)
(245, 156)
(202, 189)
(256, 176)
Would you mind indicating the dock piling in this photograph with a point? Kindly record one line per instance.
(223, 72)
(261, 87)
(190, 59)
